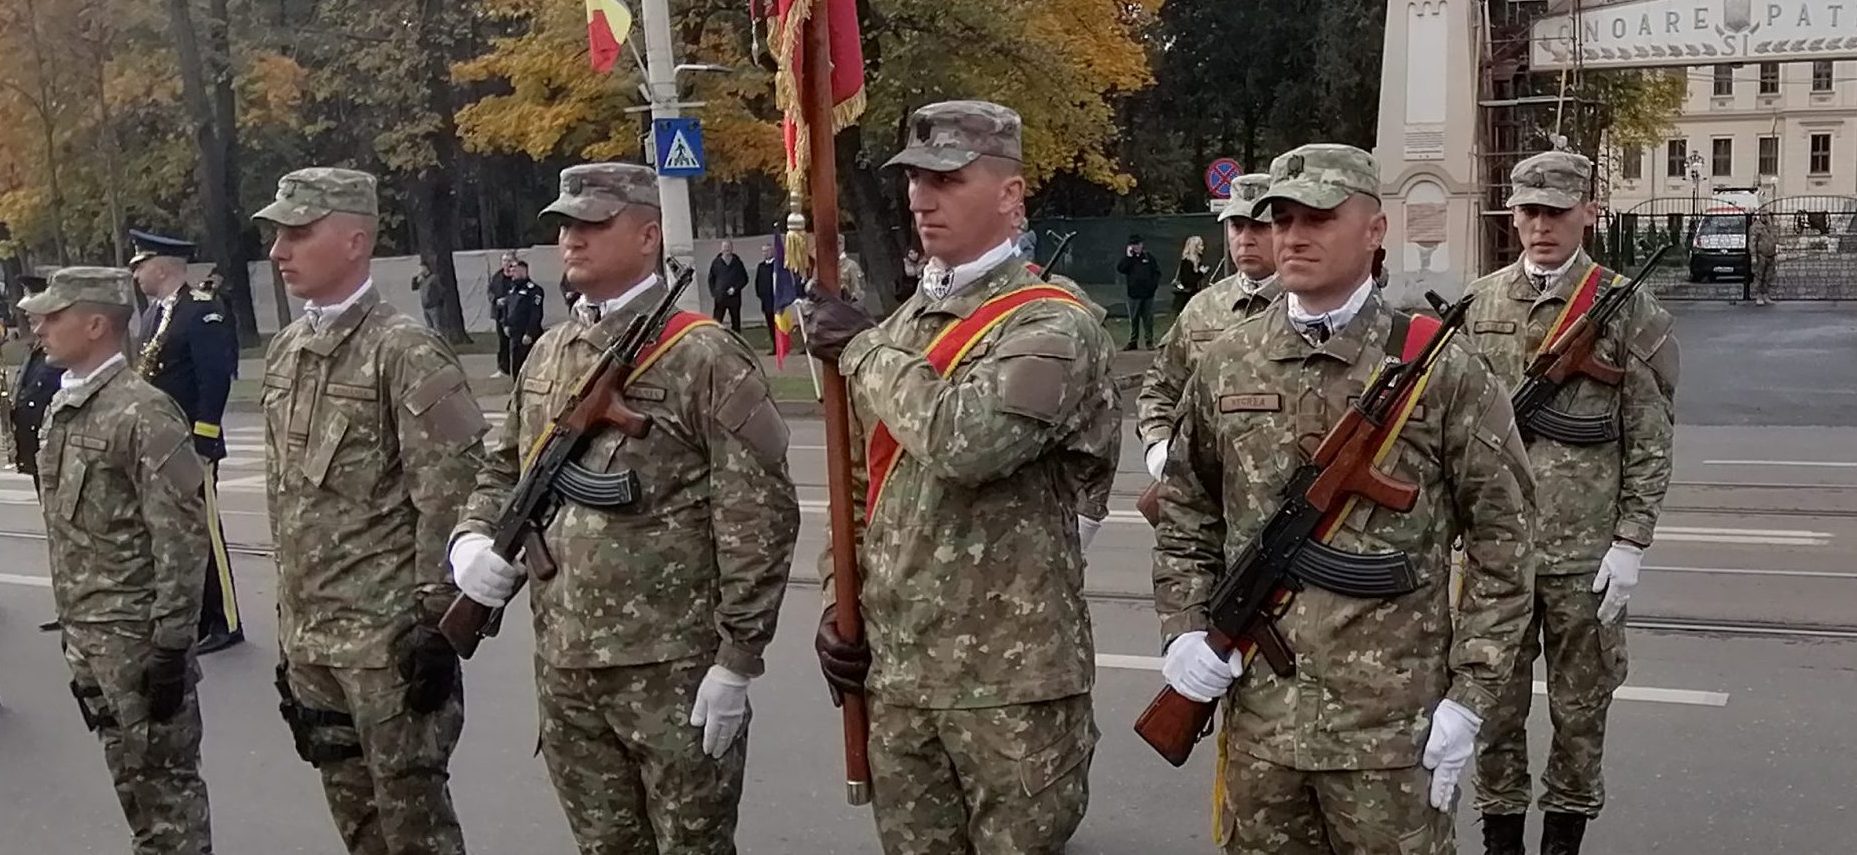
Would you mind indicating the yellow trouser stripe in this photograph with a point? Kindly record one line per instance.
(222, 563)
(210, 431)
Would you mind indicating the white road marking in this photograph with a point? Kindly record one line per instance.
(33, 581)
(1734, 571)
(1824, 464)
(1684, 697)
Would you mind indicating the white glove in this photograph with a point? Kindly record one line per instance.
(1618, 574)
(1193, 670)
(1087, 529)
(1447, 751)
(721, 707)
(479, 573)
(1157, 459)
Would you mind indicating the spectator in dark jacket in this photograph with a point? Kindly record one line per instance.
(727, 280)
(1141, 275)
(431, 299)
(498, 292)
(522, 316)
(764, 278)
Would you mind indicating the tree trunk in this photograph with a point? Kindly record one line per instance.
(207, 91)
(435, 221)
(235, 268)
(44, 105)
(879, 251)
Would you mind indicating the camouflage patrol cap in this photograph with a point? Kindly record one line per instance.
(597, 192)
(108, 286)
(1553, 179)
(947, 136)
(308, 195)
(1246, 190)
(1322, 175)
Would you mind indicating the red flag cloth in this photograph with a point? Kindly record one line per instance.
(789, 44)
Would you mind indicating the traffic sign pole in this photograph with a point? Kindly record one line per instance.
(673, 193)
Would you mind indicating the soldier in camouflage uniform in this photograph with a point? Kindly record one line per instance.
(1599, 505)
(1210, 313)
(125, 523)
(1765, 256)
(1361, 749)
(373, 438)
(658, 616)
(980, 658)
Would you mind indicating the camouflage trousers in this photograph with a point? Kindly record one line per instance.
(1585, 664)
(155, 765)
(1762, 273)
(389, 791)
(627, 765)
(1276, 810)
(1011, 780)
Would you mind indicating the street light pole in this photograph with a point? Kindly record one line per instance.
(661, 91)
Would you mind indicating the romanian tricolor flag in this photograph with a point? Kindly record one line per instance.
(608, 24)
(786, 291)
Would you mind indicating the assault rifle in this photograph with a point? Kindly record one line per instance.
(1289, 553)
(550, 473)
(1570, 356)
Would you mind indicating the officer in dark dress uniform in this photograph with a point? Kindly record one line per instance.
(189, 349)
(32, 392)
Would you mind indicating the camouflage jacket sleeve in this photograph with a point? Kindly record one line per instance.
(1189, 550)
(753, 510)
(1493, 490)
(1647, 409)
(168, 476)
(441, 434)
(1030, 389)
(1161, 388)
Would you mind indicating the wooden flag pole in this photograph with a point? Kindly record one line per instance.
(816, 96)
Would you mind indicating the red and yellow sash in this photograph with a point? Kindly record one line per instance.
(1577, 306)
(675, 328)
(945, 352)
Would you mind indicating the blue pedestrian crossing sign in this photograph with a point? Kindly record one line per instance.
(679, 146)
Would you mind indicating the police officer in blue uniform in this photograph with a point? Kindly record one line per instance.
(190, 350)
(32, 392)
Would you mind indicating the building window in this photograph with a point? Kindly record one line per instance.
(1769, 156)
(1721, 162)
(1821, 76)
(1631, 161)
(1821, 154)
(1724, 80)
(1676, 161)
(1769, 78)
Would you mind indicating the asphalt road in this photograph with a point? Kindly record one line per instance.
(1732, 735)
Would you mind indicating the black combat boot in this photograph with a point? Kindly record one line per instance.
(1561, 833)
(1502, 833)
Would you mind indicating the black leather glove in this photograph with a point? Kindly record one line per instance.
(165, 683)
(845, 664)
(431, 670)
(831, 323)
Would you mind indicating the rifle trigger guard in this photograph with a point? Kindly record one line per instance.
(602, 490)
